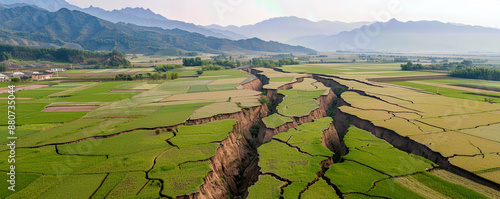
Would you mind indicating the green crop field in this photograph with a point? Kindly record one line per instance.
(138, 139)
(298, 103)
(275, 120)
(287, 162)
(378, 179)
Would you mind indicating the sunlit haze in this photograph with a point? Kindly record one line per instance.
(239, 12)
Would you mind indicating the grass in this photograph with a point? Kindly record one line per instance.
(58, 131)
(222, 87)
(133, 111)
(298, 103)
(447, 92)
(391, 189)
(204, 133)
(276, 120)
(287, 162)
(73, 90)
(140, 161)
(99, 93)
(166, 116)
(25, 130)
(308, 137)
(22, 181)
(109, 184)
(185, 179)
(376, 160)
(72, 186)
(233, 81)
(119, 145)
(320, 190)
(455, 81)
(45, 160)
(30, 113)
(266, 187)
(215, 109)
(38, 93)
(195, 146)
(129, 186)
(446, 188)
(346, 176)
(198, 89)
(38, 186)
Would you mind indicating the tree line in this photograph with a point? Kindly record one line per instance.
(443, 66)
(113, 58)
(464, 69)
(152, 76)
(267, 63)
(476, 73)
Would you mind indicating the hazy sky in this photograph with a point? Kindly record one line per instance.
(243, 12)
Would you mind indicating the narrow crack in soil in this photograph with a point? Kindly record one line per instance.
(277, 177)
(162, 183)
(474, 155)
(142, 187)
(100, 185)
(59, 153)
(480, 151)
(393, 97)
(381, 172)
(368, 195)
(187, 162)
(298, 148)
(363, 93)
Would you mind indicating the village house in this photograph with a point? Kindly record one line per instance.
(4, 78)
(40, 75)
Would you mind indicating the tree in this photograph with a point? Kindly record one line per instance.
(200, 72)
(467, 62)
(3, 68)
(15, 79)
(175, 75)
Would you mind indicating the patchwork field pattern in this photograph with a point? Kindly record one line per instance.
(120, 144)
(388, 172)
(442, 123)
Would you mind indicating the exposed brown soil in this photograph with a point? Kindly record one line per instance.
(253, 85)
(68, 108)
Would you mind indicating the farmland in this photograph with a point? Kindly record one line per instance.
(173, 138)
(95, 124)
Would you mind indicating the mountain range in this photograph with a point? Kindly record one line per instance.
(283, 29)
(138, 16)
(393, 35)
(75, 29)
(408, 36)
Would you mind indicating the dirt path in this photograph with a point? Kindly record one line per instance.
(475, 90)
(22, 88)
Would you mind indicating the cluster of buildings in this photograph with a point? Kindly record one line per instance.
(33, 75)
